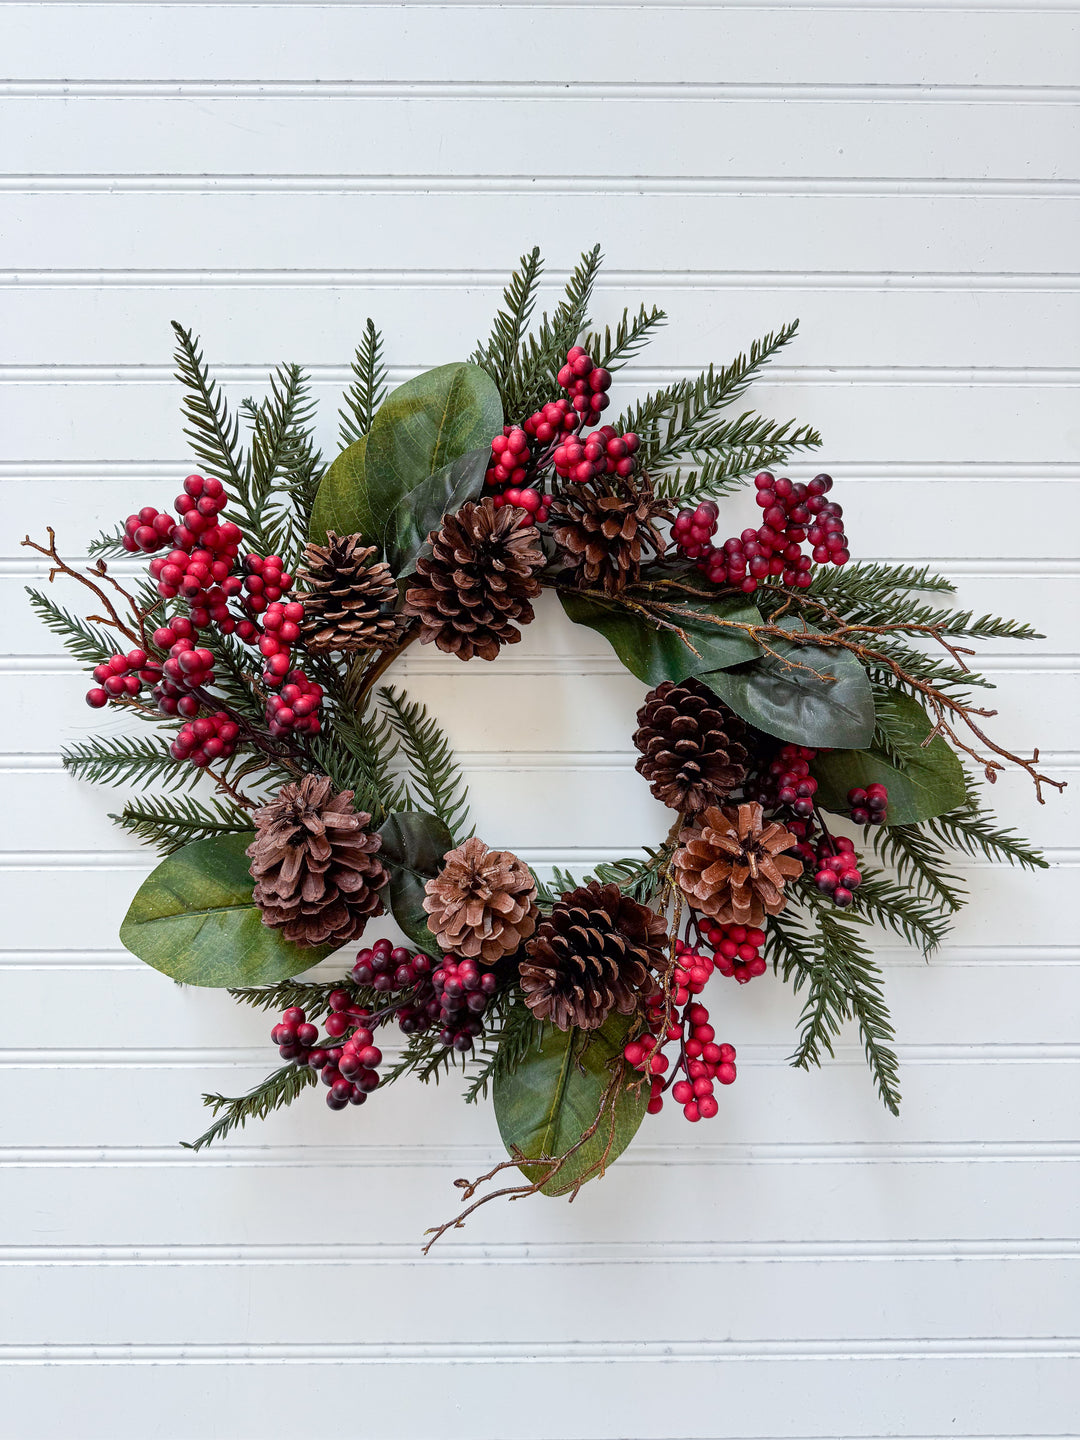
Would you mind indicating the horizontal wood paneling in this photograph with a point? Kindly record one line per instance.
(904, 179)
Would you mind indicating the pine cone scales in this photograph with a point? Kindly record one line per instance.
(731, 865)
(348, 602)
(317, 878)
(477, 581)
(482, 903)
(598, 951)
(606, 533)
(690, 746)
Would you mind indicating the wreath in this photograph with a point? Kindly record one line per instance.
(793, 697)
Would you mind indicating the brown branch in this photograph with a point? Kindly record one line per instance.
(549, 1164)
(61, 567)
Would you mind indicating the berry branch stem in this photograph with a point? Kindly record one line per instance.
(59, 566)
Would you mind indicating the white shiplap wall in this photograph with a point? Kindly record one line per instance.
(905, 179)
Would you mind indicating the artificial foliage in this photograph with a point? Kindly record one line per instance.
(812, 724)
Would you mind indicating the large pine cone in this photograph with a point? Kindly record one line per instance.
(731, 865)
(348, 602)
(598, 951)
(482, 903)
(313, 858)
(690, 743)
(477, 581)
(606, 529)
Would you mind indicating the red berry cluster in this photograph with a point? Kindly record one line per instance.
(551, 422)
(604, 452)
(281, 630)
(788, 782)
(837, 874)
(736, 950)
(585, 383)
(869, 806)
(147, 531)
(385, 968)
(794, 513)
(701, 1059)
(212, 737)
(187, 668)
(349, 1070)
(265, 581)
(198, 567)
(121, 677)
(296, 709)
(511, 459)
(463, 991)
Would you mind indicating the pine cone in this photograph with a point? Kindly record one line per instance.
(478, 580)
(348, 603)
(482, 903)
(731, 866)
(313, 860)
(690, 743)
(605, 531)
(596, 952)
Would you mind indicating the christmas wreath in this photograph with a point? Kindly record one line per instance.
(296, 799)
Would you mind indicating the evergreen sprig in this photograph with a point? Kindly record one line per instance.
(124, 759)
(919, 861)
(170, 824)
(281, 429)
(435, 780)
(367, 390)
(532, 379)
(501, 355)
(505, 1046)
(312, 996)
(274, 1093)
(975, 831)
(86, 642)
(614, 349)
(211, 427)
(921, 922)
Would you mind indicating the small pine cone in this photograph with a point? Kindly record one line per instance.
(477, 581)
(348, 602)
(731, 866)
(690, 743)
(606, 530)
(597, 951)
(317, 878)
(482, 903)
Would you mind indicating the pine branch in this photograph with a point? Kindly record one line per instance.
(435, 777)
(843, 983)
(613, 351)
(281, 429)
(975, 830)
(677, 421)
(312, 996)
(921, 922)
(500, 356)
(533, 378)
(170, 824)
(742, 447)
(121, 759)
(88, 644)
(276, 1091)
(368, 388)
(919, 862)
(875, 583)
(108, 545)
(213, 431)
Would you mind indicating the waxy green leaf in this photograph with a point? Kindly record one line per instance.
(341, 504)
(413, 846)
(422, 426)
(930, 783)
(194, 919)
(422, 510)
(654, 654)
(548, 1101)
(805, 694)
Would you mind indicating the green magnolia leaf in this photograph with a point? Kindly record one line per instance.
(341, 503)
(422, 510)
(548, 1102)
(194, 919)
(654, 655)
(423, 425)
(413, 846)
(794, 698)
(931, 783)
